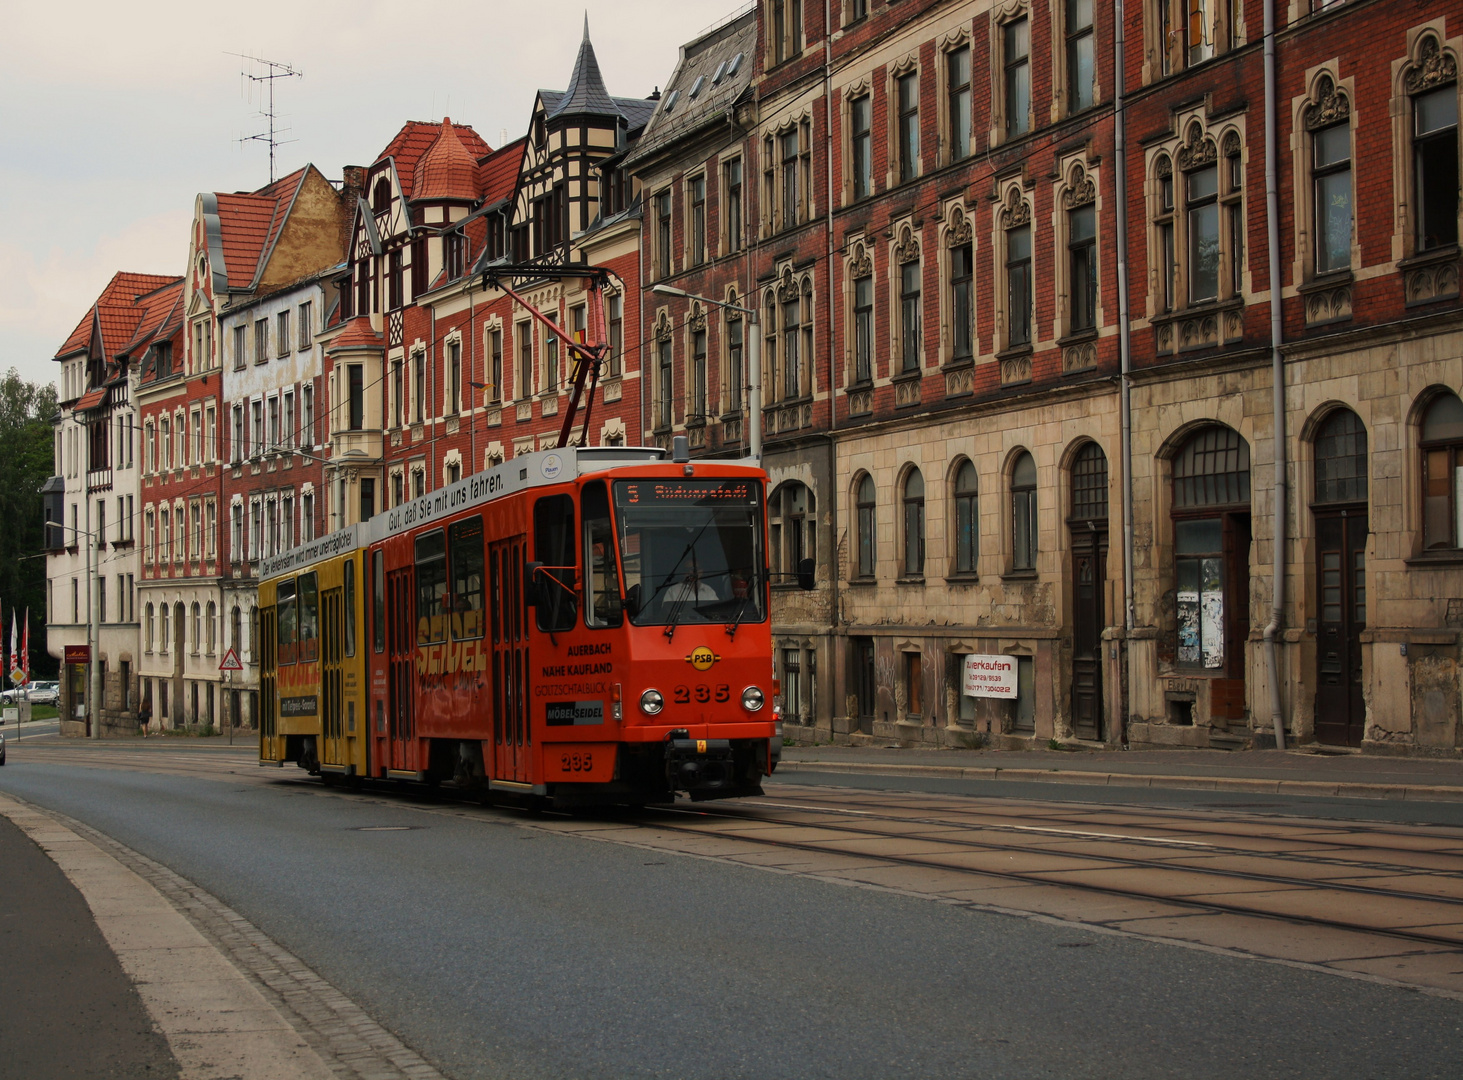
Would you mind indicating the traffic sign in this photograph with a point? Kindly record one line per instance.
(231, 662)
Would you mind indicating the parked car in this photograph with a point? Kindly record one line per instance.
(45, 693)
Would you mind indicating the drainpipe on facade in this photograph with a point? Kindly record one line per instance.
(93, 635)
(1117, 733)
(832, 531)
(1277, 381)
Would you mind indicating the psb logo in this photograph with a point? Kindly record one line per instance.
(702, 658)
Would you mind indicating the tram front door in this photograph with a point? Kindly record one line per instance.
(401, 673)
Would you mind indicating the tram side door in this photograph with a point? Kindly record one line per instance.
(512, 735)
(401, 635)
(331, 638)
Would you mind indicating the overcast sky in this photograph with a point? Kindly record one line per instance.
(114, 116)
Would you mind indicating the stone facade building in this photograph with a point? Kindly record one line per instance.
(1018, 381)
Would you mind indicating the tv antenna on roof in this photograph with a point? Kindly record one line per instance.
(274, 70)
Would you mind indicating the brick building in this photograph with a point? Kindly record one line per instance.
(91, 507)
(433, 375)
(253, 257)
(998, 436)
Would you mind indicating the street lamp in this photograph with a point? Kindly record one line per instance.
(754, 361)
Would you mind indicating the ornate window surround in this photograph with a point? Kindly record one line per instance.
(956, 229)
(905, 246)
(859, 88)
(1328, 99)
(1058, 21)
(858, 262)
(1000, 15)
(957, 39)
(1431, 61)
(1015, 206)
(1079, 186)
(1196, 144)
(895, 71)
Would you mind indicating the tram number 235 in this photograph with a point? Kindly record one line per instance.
(702, 693)
(582, 761)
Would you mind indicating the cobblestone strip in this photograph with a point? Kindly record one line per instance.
(353, 1045)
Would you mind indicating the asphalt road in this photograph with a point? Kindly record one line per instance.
(498, 951)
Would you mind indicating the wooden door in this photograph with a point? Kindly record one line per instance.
(401, 652)
(512, 735)
(1340, 619)
(1089, 573)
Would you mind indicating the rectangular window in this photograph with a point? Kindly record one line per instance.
(1332, 173)
(525, 361)
(663, 234)
(907, 92)
(1435, 166)
(1198, 31)
(555, 545)
(256, 443)
(465, 558)
(909, 313)
(551, 357)
(397, 387)
(241, 347)
(957, 66)
(863, 329)
(356, 397)
(858, 9)
(261, 340)
(394, 297)
(1081, 54)
(454, 376)
(788, 153)
(1018, 286)
(306, 331)
(282, 332)
(913, 684)
(734, 378)
(733, 173)
(962, 308)
(307, 516)
(1203, 222)
(696, 407)
(698, 221)
(617, 333)
(495, 373)
(663, 386)
(1016, 37)
(792, 679)
(368, 498)
(1199, 592)
(791, 359)
(1082, 266)
(861, 148)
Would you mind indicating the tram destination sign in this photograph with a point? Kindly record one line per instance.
(336, 543)
(688, 492)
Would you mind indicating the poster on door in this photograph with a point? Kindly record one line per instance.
(989, 676)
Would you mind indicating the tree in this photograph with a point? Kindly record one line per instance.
(27, 413)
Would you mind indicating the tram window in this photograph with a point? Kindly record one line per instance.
(378, 599)
(309, 618)
(431, 587)
(284, 604)
(466, 547)
(553, 529)
(350, 607)
(602, 581)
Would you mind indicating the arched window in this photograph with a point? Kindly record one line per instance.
(1211, 496)
(1089, 484)
(212, 632)
(865, 505)
(149, 626)
(197, 626)
(914, 524)
(1341, 459)
(792, 525)
(967, 520)
(165, 639)
(236, 623)
(1023, 513)
(1442, 470)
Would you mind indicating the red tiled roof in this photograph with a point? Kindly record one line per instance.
(90, 400)
(356, 335)
(498, 171)
(283, 192)
(446, 170)
(157, 307)
(415, 138)
(120, 293)
(246, 222)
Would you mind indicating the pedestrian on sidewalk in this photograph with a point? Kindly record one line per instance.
(144, 716)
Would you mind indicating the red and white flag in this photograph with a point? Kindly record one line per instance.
(25, 650)
(16, 675)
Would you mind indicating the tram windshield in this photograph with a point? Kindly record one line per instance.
(692, 550)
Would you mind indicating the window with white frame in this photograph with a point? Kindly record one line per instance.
(1081, 58)
(241, 347)
(1016, 77)
(784, 30)
(236, 532)
(282, 332)
(731, 174)
(1328, 127)
(306, 330)
(861, 151)
(906, 105)
(957, 103)
(792, 524)
(261, 340)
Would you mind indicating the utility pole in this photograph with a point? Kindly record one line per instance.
(275, 70)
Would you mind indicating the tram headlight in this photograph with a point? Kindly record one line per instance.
(752, 699)
(651, 702)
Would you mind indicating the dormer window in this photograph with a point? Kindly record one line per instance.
(720, 71)
(670, 100)
(697, 85)
(381, 196)
(736, 62)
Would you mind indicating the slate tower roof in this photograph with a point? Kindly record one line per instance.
(586, 95)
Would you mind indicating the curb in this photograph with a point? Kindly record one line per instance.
(1252, 785)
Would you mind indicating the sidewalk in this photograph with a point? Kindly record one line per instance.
(1268, 772)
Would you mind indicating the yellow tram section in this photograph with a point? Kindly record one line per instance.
(313, 670)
